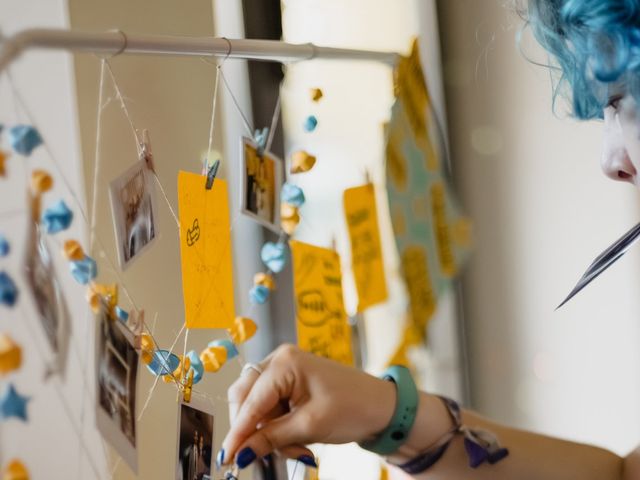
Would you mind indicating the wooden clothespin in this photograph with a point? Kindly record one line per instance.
(211, 174)
(187, 380)
(145, 151)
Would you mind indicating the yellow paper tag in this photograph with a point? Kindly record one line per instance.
(205, 248)
(422, 299)
(320, 316)
(443, 233)
(366, 251)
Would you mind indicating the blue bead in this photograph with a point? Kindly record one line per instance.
(12, 404)
(4, 246)
(84, 270)
(8, 290)
(274, 256)
(258, 295)
(122, 314)
(196, 366)
(292, 194)
(232, 351)
(24, 139)
(163, 363)
(310, 123)
(57, 217)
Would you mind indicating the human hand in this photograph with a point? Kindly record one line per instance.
(298, 399)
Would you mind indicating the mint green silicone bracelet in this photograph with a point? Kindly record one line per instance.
(404, 416)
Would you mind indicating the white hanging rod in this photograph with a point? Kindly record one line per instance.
(117, 43)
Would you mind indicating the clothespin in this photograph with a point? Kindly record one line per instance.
(145, 151)
(211, 174)
(187, 379)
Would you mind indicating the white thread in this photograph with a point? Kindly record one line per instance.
(213, 116)
(123, 105)
(96, 166)
(274, 123)
(247, 125)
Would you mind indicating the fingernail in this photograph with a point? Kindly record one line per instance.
(308, 460)
(245, 457)
(220, 459)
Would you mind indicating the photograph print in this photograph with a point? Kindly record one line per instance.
(195, 441)
(116, 373)
(134, 212)
(262, 181)
(48, 297)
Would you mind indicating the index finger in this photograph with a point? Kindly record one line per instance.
(263, 397)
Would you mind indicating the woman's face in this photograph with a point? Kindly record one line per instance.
(621, 145)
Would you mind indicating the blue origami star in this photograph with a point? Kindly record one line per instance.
(196, 365)
(292, 194)
(8, 290)
(12, 404)
(24, 138)
(274, 256)
(84, 270)
(57, 217)
(232, 351)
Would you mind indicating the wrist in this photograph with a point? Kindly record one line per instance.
(431, 424)
(379, 407)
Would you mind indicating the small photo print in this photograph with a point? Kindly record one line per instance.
(134, 208)
(262, 181)
(195, 441)
(49, 301)
(116, 373)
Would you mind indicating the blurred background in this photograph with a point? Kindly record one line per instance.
(527, 176)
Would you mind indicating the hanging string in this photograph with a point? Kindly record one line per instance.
(123, 104)
(274, 123)
(247, 125)
(213, 117)
(96, 163)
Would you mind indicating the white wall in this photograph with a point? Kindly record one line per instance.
(542, 211)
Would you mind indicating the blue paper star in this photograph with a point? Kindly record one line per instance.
(12, 404)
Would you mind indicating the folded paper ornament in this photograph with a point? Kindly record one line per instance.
(259, 294)
(10, 355)
(8, 290)
(41, 182)
(316, 94)
(302, 161)
(310, 123)
(265, 280)
(163, 363)
(57, 218)
(13, 405)
(228, 345)
(243, 329)
(213, 358)
(72, 250)
(3, 161)
(84, 271)
(15, 470)
(5, 248)
(274, 256)
(24, 139)
(292, 194)
(195, 365)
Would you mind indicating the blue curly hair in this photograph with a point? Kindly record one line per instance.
(595, 43)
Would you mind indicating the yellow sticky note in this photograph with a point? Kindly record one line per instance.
(366, 251)
(320, 316)
(205, 248)
(422, 297)
(443, 233)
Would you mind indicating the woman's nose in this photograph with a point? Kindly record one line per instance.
(615, 162)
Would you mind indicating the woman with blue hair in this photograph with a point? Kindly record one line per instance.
(294, 398)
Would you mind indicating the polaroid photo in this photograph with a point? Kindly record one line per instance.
(262, 178)
(116, 374)
(48, 298)
(195, 446)
(135, 212)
